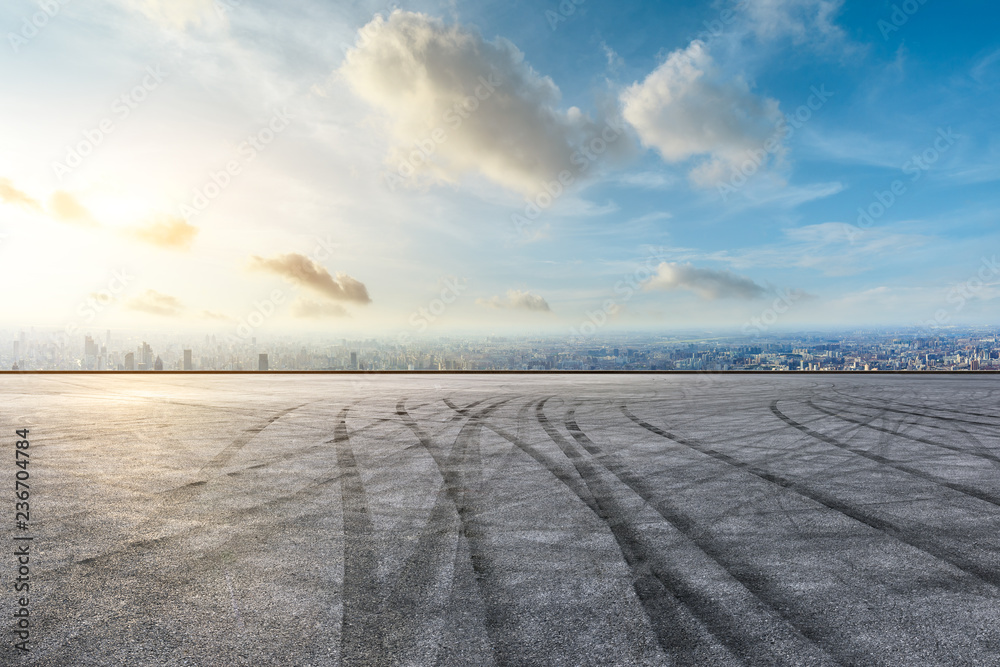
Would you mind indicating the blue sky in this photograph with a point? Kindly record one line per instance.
(183, 165)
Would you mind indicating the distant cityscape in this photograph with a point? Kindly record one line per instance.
(966, 350)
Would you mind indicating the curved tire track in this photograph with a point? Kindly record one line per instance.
(882, 460)
(914, 536)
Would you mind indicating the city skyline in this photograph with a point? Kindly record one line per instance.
(424, 168)
(698, 351)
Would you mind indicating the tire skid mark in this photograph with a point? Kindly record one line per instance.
(414, 613)
(661, 589)
(977, 444)
(462, 497)
(315, 486)
(362, 602)
(187, 492)
(914, 535)
(851, 397)
(461, 412)
(657, 601)
(882, 460)
(732, 613)
(241, 441)
(982, 455)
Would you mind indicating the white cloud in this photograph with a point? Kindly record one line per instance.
(473, 105)
(689, 107)
(180, 13)
(802, 20)
(517, 299)
(706, 283)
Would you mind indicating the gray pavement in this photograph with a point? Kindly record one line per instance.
(507, 520)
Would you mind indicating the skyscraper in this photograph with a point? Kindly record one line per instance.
(130, 361)
(146, 355)
(187, 360)
(262, 362)
(354, 360)
(158, 364)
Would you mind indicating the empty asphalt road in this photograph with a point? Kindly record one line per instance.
(505, 519)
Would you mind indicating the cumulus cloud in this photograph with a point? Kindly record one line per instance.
(64, 207)
(170, 232)
(706, 283)
(490, 111)
(301, 270)
(11, 195)
(689, 107)
(517, 299)
(155, 303)
(307, 308)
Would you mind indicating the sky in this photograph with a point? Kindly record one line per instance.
(431, 167)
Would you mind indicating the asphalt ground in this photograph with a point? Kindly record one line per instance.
(505, 520)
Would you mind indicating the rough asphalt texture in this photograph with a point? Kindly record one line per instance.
(507, 520)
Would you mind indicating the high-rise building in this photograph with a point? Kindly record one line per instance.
(130, 361)
(262, 362)
(187, 360)
(158, 364)
(89, 346)
(354, 360)
(17, 350)
(146, 355)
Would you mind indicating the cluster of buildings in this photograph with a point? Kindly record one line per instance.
(957, 350)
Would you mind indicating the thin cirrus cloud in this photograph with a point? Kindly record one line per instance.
(300, 270)
(170, 232)
(155, 303)
(66, 208)
(474, 105)
(309, 309)
(517, 300)
(62, 205)
(709, 284)
(11, 195)
(180, 13)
